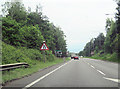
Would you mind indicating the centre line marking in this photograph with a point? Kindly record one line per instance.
(92, 66)
(29, 85)
(101, 72)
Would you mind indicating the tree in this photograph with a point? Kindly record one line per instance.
(30, 37)
(80, 53)
(117, 40)
(10, 30)
(95, 45)
(110, 41)
(100, 39)
(108, 24)
(34, 18)
(29, 29)
(15, 10)
(0, 28)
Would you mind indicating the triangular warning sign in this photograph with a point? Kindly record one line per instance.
(44, 47)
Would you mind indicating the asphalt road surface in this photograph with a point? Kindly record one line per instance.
(74, 73)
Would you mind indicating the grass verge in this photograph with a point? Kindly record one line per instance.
(21, 72)
(33, 57)
(107, 57)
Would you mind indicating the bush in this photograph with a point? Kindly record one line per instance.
(12, 55)
(109, 57)
(49, 56)
(33, 54)
(112, 57)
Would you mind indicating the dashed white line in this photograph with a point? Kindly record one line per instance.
(92, 66)
(88, 63)
(111, 79)
(101, 72)
(95, 68)
(29, 85)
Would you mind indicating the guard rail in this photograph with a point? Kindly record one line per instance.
(12, 66)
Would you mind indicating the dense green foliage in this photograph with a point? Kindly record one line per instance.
(26, 31)
(94, 45)
(106, 47)
(11, 54)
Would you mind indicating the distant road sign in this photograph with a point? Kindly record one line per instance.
(44, 47)
(92, 53)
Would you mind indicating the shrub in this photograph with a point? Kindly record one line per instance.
(12, 55)
(50, 57)
(33, 54)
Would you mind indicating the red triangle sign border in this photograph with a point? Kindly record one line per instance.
(42, 48)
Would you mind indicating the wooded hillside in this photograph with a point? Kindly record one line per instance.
(108, 46)
(24, 28)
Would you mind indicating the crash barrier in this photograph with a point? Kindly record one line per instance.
(12, 66)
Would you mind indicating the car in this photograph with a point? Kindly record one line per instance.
(76, 57)
(72, 57)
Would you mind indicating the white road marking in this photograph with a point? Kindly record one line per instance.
(95, 68)
(29, 85)
(88, 63)
(101, 72)
(114, 80)
(92, 66)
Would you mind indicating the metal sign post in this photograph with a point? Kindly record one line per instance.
(44, 55)
(44, 47)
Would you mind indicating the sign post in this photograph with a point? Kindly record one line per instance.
(44, 55)
(44, 47)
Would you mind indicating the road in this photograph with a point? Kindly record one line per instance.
(74, 73)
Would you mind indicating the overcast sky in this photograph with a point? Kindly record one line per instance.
(81, 20)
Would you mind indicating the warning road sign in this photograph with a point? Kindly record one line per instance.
(44, 47)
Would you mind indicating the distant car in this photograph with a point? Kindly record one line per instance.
(72, 57)
(76, 57)
(81, 56)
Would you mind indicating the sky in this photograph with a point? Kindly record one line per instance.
(80, 20)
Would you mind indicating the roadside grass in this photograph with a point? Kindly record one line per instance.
(68, 58)
(21, 72)
(107, 57)
(33, 57)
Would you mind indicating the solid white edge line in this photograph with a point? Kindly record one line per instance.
(114, 80)
(101, 72)
(29, 85)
